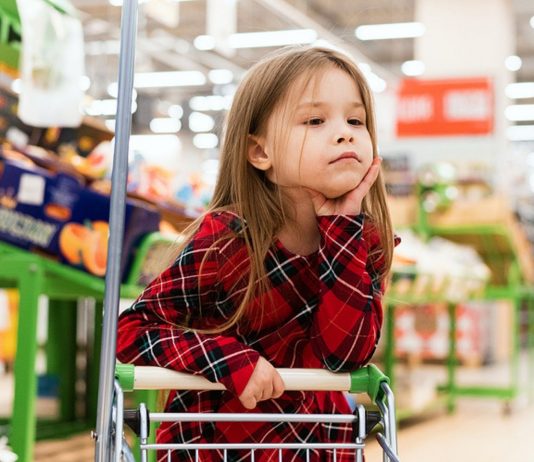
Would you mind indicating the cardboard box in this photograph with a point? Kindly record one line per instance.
(54, 214)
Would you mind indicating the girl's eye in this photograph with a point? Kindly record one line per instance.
(314, 121)
(355, 122)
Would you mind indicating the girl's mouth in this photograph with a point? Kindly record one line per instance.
(349, 155)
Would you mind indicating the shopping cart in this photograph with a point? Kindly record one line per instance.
(110, 444)
(367, 380)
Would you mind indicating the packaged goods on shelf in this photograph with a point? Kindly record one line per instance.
(55, 214)
(511, 242)
(437, 268)
(398, 175)
(422, 333)
(84, 139)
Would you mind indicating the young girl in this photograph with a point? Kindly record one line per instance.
(285, 269)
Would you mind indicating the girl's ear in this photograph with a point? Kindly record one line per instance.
(257, 155)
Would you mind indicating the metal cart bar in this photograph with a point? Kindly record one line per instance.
(116, 225)
(245, 446)
(249, 417)
(368, 379)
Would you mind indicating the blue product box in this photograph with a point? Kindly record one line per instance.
(57, 215)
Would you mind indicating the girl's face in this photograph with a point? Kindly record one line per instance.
(326, 146)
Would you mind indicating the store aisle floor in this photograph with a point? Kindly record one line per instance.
(477, 432)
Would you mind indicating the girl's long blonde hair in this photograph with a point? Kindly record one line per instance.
(247, 191)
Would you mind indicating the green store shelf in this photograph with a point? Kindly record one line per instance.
(494, 243)
(34, 275)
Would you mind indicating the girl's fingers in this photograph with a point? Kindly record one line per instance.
(248, 402)
(266, 393)
(349, 203)
(371, 175)
(368, 180)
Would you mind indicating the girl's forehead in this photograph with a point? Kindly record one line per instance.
(310, 84)
(307, 83)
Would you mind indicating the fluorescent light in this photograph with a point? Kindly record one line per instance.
(205, 140)
(176, 111)
(520, 133)
(220, 76)
(210, 103)
(204, 42)
(85, 83)
(532, 22)
(102, 107)
(165, 125)
(413, 68)
(199, 122)
(113, 91)
(390, 31)
(260, 39)
(377, 84)
(160, 149)
(519, 112)
(520, 90)
(169, 79)
(105, 107)
(513, 63)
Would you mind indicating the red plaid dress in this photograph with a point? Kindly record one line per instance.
(324, 311)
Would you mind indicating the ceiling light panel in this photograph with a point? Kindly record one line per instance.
(390, 31)
(520, 90)
(169, 79)
(260, 39)
(519, 112)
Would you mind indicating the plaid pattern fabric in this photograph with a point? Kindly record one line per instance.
(324, 311)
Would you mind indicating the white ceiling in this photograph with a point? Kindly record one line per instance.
(170, 46)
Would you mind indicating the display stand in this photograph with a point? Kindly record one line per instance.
(35, 276)
(496, 246)
(415, 298)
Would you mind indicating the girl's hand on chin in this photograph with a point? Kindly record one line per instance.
(349, 203)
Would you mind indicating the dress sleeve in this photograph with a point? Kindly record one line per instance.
(346, 325)
(187, 293)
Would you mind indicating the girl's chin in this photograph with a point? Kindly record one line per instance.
(335, 193)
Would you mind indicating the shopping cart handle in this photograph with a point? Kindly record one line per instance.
(365, 380)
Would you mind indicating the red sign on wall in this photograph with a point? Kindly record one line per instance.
(445, 107)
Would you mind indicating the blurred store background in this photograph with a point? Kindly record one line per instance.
(454, 88)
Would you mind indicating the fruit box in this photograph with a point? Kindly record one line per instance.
(54, 214)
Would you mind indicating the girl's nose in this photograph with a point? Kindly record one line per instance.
(344, 138)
